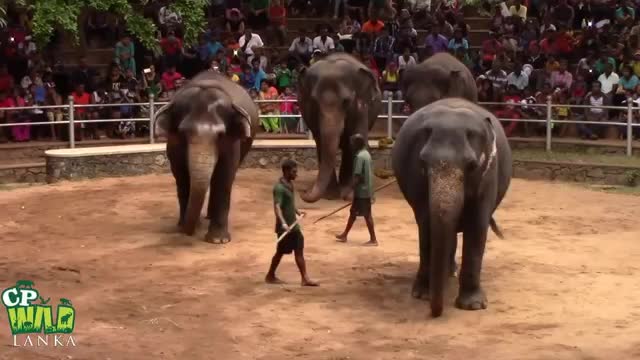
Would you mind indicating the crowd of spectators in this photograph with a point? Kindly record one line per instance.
(577, 52)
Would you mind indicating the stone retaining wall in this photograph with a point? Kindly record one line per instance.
(571, 172)
(60, 168)
(26, 173)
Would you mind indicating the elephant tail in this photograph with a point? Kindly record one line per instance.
(495, 228)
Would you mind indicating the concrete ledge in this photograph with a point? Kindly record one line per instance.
(147, 148)
(86, 163)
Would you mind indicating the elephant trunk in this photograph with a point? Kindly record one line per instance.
(329, 143)
(203, 157)
(446, 201)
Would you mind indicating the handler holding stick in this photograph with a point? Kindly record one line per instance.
(362, 190)
(287, 228)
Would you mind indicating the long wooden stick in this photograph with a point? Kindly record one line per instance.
(349, 203)
(290, 228)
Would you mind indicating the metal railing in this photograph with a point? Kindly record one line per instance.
(389, 115)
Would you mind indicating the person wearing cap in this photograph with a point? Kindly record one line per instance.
(234, 21)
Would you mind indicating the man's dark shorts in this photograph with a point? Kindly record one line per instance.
(361, 207)
(292, 241)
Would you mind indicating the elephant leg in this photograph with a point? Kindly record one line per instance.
(333, 189)
(180, 170)
(471, 296)
(421, 283)
(220, 194)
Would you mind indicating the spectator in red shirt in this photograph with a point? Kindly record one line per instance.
(171, 48)
(81, 97)
(169, 79)
(6, 101)
(510, 111)
(278, 20)
(6, 80)
(490, 49)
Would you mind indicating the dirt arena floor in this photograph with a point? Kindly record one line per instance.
(564, 284)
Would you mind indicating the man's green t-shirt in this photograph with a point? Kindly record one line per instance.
(258, 4)
(283, 197)
(362, 168)
(283, 77)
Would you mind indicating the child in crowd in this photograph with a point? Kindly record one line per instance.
(289, 107)
(268, 92)
(561, 112)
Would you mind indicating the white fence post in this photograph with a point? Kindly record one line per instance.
(152, 115)
(390, 116)
(548, 136)
(72, 129)
(629, 126)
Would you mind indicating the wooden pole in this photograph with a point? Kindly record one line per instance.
(348, 204)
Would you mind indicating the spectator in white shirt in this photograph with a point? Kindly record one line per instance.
(405, 60)
(248, 42)
(301, 48)
(323, 42)
(608, 80)
(518, 78)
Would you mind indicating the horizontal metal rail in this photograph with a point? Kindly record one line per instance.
(70, 113)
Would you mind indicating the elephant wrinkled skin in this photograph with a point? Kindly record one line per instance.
(440, 76)
(210, 124)
(453, 164)
(339, 96)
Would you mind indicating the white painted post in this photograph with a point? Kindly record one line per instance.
(152, 115)
(72, 129)
(548, 139)
(390, 116)
(629, 126)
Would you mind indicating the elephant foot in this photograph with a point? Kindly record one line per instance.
(471, 300)
(217, 236)
(420, 288)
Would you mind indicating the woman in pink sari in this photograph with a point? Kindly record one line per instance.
(21, 132)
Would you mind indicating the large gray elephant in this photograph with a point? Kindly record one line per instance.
(440, 76)
(453, 164)
(210, 125)
(339, 96)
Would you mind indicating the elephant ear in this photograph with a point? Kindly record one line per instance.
(162, 120)
(245, 119)
(377, 94)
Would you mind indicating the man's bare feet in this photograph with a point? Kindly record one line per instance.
(273, 280)
(341, 238)
(308, 282)
(371, 243)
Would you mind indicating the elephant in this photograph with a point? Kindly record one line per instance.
(339, 97)
(440, 76)
(453, 165)
(210, 124)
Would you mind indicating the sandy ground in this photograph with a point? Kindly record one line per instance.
(564, 284)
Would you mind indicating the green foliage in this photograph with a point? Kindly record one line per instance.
(66, 15)
(3, 17)
(193, 17)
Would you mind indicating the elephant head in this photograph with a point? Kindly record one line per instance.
(423, 87)
(339, 94)
(456, 153)
(203, 115)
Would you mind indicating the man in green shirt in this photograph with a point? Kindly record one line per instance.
(362, 185)
(285, 210)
